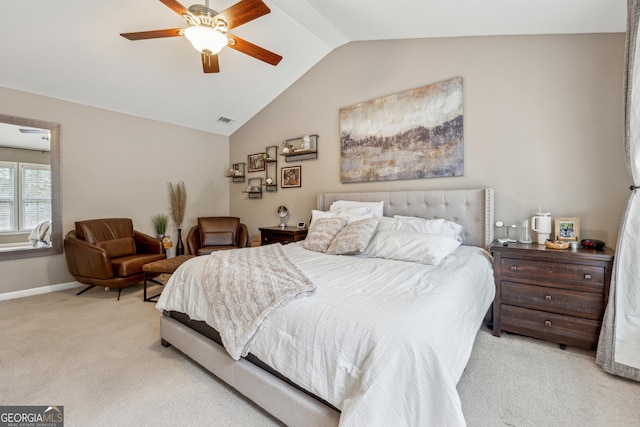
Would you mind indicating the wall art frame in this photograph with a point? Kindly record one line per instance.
(255, 162)
(291, 177)
(414, 134)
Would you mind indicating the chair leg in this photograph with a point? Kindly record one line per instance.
(86, 289)
(119, 292)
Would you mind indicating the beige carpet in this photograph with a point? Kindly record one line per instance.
(101, 359)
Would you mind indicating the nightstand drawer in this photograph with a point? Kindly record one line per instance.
(573, 303)
(283, 235)
(567, 330)
(276, 238)
(577, 276)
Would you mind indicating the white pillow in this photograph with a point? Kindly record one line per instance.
(387, 223)
(433, 226)
(422, 225)
(376, 208)
(411, 246)
(353, 238)
(322, 233)
(316, 215)
(355, 214)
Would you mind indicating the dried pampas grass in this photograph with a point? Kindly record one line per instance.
(178, 202)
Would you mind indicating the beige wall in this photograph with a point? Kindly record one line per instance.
(543, 127)
(115, 165)
(543, 124)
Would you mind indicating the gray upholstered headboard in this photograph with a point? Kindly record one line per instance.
(473, 208)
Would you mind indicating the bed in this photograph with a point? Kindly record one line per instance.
(379, 342)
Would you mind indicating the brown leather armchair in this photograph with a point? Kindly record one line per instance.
(217, 233)
(109, 252)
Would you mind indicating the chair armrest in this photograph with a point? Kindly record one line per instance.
(243, 238)
(86, 259)
(193, 240)
(146, 244)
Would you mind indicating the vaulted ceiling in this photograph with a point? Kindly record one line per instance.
(72, 50)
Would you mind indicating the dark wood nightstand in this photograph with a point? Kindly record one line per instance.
(277, 234)
(554, 295)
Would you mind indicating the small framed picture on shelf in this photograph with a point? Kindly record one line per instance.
(256, 162)
(291, 177)
(568, 229)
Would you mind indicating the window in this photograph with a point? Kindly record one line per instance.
(25, 195)
(8, 192)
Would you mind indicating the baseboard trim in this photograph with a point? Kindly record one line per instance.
(38, 291)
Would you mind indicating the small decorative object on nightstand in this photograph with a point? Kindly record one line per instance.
(525, 234)
(270, 235)
(507, 239)
(282, 213)
(554, 295)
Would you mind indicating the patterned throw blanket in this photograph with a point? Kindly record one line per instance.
(244, 286)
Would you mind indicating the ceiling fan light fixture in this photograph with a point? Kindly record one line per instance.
(206, 39)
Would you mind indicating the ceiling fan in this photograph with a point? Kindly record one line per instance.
(207, 31)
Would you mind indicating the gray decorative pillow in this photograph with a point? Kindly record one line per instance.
(353, 238)
(322, 233)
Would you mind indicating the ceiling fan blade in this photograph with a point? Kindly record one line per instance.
(155, 34)
(252, 50)
(210, 63)
(243, 12)
(176, 7)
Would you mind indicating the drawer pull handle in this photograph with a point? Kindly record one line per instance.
(514, 268)
(547, 323)
(547, 297)
(587, 277)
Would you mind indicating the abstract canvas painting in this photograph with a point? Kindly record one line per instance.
(408, 135)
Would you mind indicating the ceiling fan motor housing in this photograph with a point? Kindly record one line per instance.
(205, 17)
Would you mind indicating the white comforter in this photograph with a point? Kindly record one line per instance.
(384, 341)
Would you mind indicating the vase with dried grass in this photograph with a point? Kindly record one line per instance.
(178, 205)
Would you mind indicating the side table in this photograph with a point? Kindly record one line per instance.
(284, 235)
(166, 266)
(555, 295)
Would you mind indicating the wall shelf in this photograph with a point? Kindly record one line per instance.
(299, 151)
(237, 172)
(271, 168)
(254, 190)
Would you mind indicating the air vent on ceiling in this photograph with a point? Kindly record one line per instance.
(225, 120)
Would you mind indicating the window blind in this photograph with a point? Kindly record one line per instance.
(35, 194)
(8, 196)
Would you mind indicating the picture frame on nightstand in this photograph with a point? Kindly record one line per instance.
(567, 229)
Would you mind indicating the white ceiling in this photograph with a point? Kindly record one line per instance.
(72, 50)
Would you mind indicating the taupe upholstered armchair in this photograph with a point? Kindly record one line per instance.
(110, 253)
(217, 233)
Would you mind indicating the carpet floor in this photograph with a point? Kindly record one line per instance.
(102, 360)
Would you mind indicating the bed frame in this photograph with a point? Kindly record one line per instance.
(473, 209)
